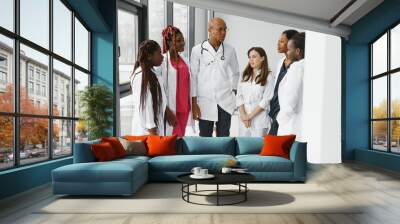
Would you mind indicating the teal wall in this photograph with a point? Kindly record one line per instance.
(100, 17)
(356, 83)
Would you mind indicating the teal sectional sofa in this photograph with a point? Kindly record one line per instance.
(125, 176)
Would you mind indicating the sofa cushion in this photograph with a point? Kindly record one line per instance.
(249, 145)
(103, 152)
(161, 145)
(135, 147)
(185, 163)
(207, 145)
(112, 171)
(277, 145)
(257, 163)
(116, 145)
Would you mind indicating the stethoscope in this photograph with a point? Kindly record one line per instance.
(205, 49)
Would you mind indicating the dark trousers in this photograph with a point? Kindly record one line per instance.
(274, 127)
(223, 125)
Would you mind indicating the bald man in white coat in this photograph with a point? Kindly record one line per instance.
(215, 71)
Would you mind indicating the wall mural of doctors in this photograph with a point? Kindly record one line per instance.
(215, 71)
(255, 88)
(290, 91)
(177, 82)
(149, 98)
(168, 95)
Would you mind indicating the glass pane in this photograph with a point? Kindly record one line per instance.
(6, 74)
(6, 142)
(34, 81)
(62, 29)
(33, 139)
(395, 47)
(126, 115)
(181, 15)
(127, 40)
(7, 14)
(379, 135)
(395, 131)
(395, 94)
(81, 131)
(156, 15)
(62, 89)
(379, 55)
(62, 138)
(35, 21)
(81, 45)
(81, 81)
(379, 98)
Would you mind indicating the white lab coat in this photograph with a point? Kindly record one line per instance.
(214, 79)
(169, 75)
(250, 94)
(143, 120)
(290, 95)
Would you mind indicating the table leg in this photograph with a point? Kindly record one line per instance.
(245, 193)
(217, 194)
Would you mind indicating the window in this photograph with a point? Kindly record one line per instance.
(37, 89)
(61, 72)
(30, 87)
(30, 72)
(45, 131)
(181, 15)
(7, 14)
(34, 21)
(62, 29)
(156, 16)
(44, 91)
(385, 91)
(7, 73)
(81, 45)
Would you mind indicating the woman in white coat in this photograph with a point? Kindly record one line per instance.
(255, 88)
(177, 82)
(290, 91)
(148, 94)
(281, 70)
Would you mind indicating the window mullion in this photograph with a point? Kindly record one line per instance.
(50, 81)
(16, 84)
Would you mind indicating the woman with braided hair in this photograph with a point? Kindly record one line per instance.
(148, 91)
(176, 76)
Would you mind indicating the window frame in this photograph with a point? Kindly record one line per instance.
(388, 74)
(16, 114)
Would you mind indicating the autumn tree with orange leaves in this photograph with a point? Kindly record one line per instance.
(33, 131)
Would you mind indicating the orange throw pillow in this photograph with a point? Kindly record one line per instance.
(116, 145)
(135, 138)
(161, 145)
(103, 152)
(277, 145)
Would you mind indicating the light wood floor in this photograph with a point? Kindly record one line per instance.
(377, 188)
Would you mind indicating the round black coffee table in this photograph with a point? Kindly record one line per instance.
(238, 179)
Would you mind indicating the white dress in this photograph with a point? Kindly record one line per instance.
(250, 94)
(143, 119)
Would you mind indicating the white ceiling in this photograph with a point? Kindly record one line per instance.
(319, 9)
(312, 15)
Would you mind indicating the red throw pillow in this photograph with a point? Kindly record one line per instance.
(103, 152)
(161, 145)
(277, 145)
(116, 145)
